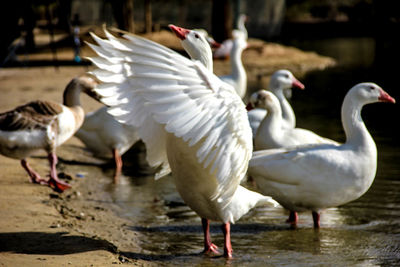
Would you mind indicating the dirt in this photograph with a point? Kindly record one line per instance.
(39, 227)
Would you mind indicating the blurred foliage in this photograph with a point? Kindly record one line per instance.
(342, 10)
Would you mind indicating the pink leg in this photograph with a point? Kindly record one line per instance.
(226, 229)
(118, 165)
(293, 218)
(208, 245)
(33, 176)
(54, 182)
(316, 218)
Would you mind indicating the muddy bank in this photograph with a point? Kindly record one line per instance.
(79, 227)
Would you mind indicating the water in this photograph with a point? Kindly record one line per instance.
(365, 232)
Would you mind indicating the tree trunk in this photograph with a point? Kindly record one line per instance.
(64, 15)
(147, 16)
(9, 16)
(221, 20)
(128, 16)
(123, 14)
(28, 16)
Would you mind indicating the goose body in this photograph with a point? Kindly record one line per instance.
(281, 80)
(105, 137)
(272, 134)
(315, 177)
(43, 125)
(192, 123)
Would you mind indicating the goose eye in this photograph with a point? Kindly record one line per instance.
(371, 87)
(196, 35)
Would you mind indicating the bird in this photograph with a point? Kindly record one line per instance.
(191, 122)
(280, 81)
(238, 77)
(241, 25)
(44, 125)
(214, 44)
(201, 53)
(318, 176)
(105, 137)
(271, 133)
(224, 50)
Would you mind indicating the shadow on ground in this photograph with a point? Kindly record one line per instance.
(59, 243)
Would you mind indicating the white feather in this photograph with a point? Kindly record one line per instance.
(161, 92)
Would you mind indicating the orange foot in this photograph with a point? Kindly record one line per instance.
(58, 185)
(211, 248)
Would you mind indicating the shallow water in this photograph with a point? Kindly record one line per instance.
(365, 232)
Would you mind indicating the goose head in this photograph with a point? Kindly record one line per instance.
(242, 19)
(284, 79)
(195, 44)
(241, 24)
(265, 100)
(210, 40)
(83, 83)
(366, 93)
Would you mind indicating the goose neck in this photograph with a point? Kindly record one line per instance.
(207, 61)
(287, 110)
(272, 122)
(71, 95)
(354, 127)
(236, 61)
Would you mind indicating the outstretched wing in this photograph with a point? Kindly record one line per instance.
(157, 90)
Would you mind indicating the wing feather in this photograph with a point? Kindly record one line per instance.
(33, 115)
(157, 90)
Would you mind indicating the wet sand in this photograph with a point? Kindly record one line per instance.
(39, 227)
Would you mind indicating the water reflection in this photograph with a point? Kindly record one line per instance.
(365, 232)
(172, 233)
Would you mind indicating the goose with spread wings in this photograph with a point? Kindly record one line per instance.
(192, 123)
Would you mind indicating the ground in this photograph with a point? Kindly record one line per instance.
(40, 227)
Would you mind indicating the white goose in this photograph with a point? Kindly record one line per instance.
(238, 76)
(225, 49)
(271, 133)
(105, 137)
(280, 81)
(191, 122)
(241, 25)
(44, 125)
(315, 177)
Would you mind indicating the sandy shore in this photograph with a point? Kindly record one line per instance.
(39, 227)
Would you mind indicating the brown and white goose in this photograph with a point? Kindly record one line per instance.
(44, 125)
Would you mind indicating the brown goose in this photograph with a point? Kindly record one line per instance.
(44, 125)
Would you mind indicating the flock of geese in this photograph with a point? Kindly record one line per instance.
(195, 125)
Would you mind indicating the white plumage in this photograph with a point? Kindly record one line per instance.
(272, 134)
(105, 137)
(238, 77)
(281, 80)
(315, 177)
(191, 122)
(225, 50)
